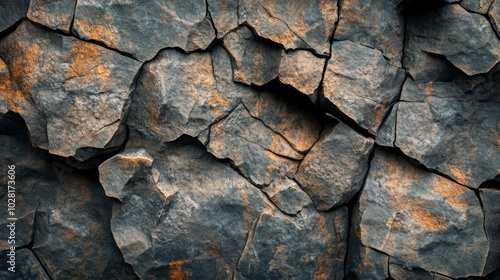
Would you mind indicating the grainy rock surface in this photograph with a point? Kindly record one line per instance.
(250, 139)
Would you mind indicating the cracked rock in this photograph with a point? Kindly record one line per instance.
(53, 14)
(143, 29)
(261, 154)
(311, 246)
(494, 15)
(296, 24)
(440, 31)
(224, 14)
(378, 24)
(363, 262)
(422, 219)
(461, 124)
(83, 100)
(477, 6)
(333, 170)
(27, 266)
(361, 83)
(287, 195)
(386, 135)
(490, 199)
(11, 11)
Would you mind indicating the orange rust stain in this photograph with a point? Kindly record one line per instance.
(323, 263)
(459, 175)
(23, 65)
(70, 235)
(427, 219)
(97, 31)
(247, 216)
(428, 89)
(176, 272)
(380, 113)
(452, 193)
(87, 63)
(216, 101)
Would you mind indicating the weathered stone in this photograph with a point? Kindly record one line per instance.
(421, 219)
(23, 227)
(361, 83)
(296, 24)
(11, 11)
(477, 6)
(311, 246)
(297, 123)
(398, 271)
(83, 100)
(490, 199)
(166, 225)
(494, 15)
(70, 212)
(303, 71)
(440, 31)
(386, 135)
(460, 120)
(254, 62)
(376, 24)
(261, 154)
(56, 14)
(183, 94)
(333, 170)
(143, 29)
(27, 266)
(224, 14)
(287, 196)
(363, 262)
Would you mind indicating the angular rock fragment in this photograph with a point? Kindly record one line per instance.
(261, 154)
(440, 31)
(311, 246)
(184, 94)
(398, 271)
(297, 24)
(253, 61)
(303, 71)
(81, 103)
(224, 14)
(53, 14)
(490, 199)
(27, 266)
(376, 24)
(494, 15)
(287, 195)
(386, 135)
(11, 11)
(168, 210)
(461, 124)
(144, 29)
(361, 83)
(365, 263)
(297, 123)
(333, 170)
(477, 6)
(421, 219)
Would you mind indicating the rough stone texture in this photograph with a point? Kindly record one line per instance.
(287, 195)
(303, 71)
(365, 263)
(386, 135)
(494, 15)
(81, 103)
(310, 246)
(56, 14)
(224, 14)
(297, 24)
(422, 219)
(67, 211)
(333, 171)
(398, 271)
(11, 11)
(142, 29)
(490, 199)
(440, 31)
(378, 24)
(27, 266)
(477, 6)
(261, 154)
(361, 83)
(254, 62)
(461, 124)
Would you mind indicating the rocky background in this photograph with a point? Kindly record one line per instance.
(251, 139)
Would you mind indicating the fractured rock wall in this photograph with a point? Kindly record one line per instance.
(239, 139)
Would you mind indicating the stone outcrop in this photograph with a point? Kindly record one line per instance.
(239, 139)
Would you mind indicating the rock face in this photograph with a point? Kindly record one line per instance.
(250, 139)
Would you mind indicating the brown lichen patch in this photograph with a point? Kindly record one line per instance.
(428, 89)
(176, 272)
(427, 220)
(452, 193)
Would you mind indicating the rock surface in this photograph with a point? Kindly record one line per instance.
(333, 171)
(287, 195)
(11, 11)
(81, 104)
(54, 14)
(143, 29)
(424, 220)
(361, 83)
